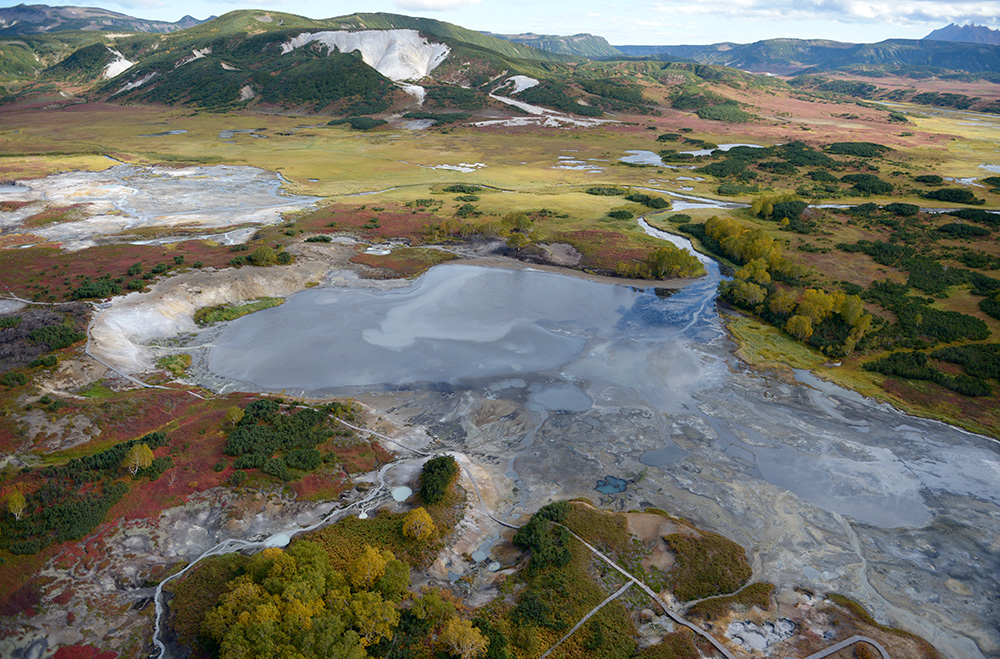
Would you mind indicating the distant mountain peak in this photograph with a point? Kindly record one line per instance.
(30, 19)
(966, 34)
(582, 45)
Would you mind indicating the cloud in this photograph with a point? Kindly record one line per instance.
(435, 5)
(896, 12)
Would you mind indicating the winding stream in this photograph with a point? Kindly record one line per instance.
(826, 489)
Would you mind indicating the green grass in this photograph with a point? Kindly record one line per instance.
(221, 313)
(97, 390)
(175, 364)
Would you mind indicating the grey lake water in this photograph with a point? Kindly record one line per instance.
(633, 398)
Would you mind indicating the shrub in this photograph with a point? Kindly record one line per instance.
(249, 461)
(727, 112)
(96, 289)
(929, 179)
(276, 467)
(648, 200)
(47, 361)
(439, 117)
(359, 123)
(604, 191)
(960, 230)
(56, 337)
(304, 459)
(436, 478)
(954, 196)
(791, 209)
(780, 167)
(724, 168)
(262, 256)
(822, 176)
(13, 379)
(621, 215)
(914, 366)
(901, 209)
(460, 188)
(318, 239)
(858, 149)
(548, 544)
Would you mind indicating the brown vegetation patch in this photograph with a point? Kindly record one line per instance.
(604, 250)
(54, 215)
(48, 274)
(405, 262)
(394, 222)
(706, 564)
(755, 595)
(650, 529)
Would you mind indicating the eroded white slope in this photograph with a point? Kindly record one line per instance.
(396, 54)
(119, 65)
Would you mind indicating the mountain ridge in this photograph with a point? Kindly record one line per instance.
(966, 34)
(40, 19)
(796, 56)
(580, 45)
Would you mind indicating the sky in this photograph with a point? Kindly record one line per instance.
(637, 22)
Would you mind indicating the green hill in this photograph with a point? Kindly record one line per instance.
(577, 45)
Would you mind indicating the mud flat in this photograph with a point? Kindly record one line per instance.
(553, 386)
(129, 197)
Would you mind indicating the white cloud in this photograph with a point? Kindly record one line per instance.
(896, 12)
(435, 5)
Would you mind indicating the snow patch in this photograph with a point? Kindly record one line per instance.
(464, 167)
(197, 53)
(520, 83)
(227, 67)
(246, 93)
(118, 66)
(396, 54)
(416, 91)
(540, 117)
(136, 83)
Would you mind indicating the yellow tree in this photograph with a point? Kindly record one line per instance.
(782, 302)
(374, 618)
(368, 567)
(418, 524)
(138, 457)
(16, 503)
(799, 326)
(234, 415)
(755, 270)
(816, 304)
(518, 241)
(462, 639)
